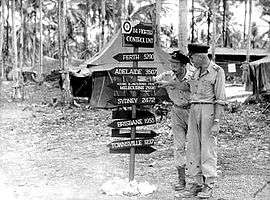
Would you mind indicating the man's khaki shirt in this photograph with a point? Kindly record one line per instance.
(179, 92)
(208, 87)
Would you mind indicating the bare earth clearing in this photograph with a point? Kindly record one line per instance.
(60, 153)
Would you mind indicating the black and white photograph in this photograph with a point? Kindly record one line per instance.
(134, 99)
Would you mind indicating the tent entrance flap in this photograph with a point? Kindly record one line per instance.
(100, 92)
(81, 86)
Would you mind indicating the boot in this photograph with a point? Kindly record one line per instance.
(206, 192)
(181, 179)
(192, 191)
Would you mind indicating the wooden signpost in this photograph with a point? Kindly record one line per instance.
(127, 101)
(123, 144)
(130, 57)
(133, 86)
(138, 150)
(126, 114)
(140, 142)
(133, 122)
(127, 71)
(141, 35)
(125, 133)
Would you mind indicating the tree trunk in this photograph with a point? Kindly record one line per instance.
(119, 6)
(102, 22)
(157, 21)
(245, 20)
(7, 43)
(14, 41)
(192, 22)
(214, 30)
(249, 32)
(224, 27)
(63, 51)
(182, 26)
(85, 31)
(34, 41)
(208, 26)
(41, 42)
(21, 48)
(2, 38)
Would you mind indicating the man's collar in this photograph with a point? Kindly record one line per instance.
(198, 71)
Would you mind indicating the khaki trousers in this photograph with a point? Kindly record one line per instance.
(179, 130)
(201, 148)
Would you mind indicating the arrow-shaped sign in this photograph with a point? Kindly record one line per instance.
(125, 133)
(133, 122)
(129, 57)
(138, 71)
(125, 101)
(133, 86)
(122, 144)
(126, 114)
(138, 150)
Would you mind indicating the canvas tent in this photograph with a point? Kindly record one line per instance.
(99, 66)
(259, 75)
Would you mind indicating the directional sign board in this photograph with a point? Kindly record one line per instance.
(138, 150)
(133, 86)
(127, 114)
(133, 122)
(139, 71)
(127, 101)
(141, 35)
(122, 144)
(126, 133)
(130, 57)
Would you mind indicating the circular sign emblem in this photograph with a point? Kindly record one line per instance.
(126, 27)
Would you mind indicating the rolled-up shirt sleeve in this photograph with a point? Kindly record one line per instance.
(220, 95)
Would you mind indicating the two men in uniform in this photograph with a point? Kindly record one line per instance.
(205, 92)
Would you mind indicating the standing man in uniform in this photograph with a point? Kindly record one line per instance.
(178, 91)
(207, 101)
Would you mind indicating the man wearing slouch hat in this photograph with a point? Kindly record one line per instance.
(174, 81)
(207, 101)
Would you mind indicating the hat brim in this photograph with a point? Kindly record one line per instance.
(174, 60)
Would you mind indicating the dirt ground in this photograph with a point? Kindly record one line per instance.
(60, 153)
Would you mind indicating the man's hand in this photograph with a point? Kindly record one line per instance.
(214, 130)
(165, 84)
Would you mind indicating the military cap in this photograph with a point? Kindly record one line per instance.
(177, 56)
(197, 48)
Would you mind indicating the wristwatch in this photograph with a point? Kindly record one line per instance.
(216, 120)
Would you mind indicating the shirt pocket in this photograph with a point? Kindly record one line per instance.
(205, 87)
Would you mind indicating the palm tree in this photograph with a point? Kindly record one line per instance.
(249, 31)
(214, 30)
(245, 19)
(63, 51)
(224, 27)
(14, 39)
(182, 26)
(40, 38)
(102, 22)
(34, 33)
(2, 37)
(192, 22)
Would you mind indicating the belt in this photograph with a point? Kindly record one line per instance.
(201, 102)
(185, 106)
